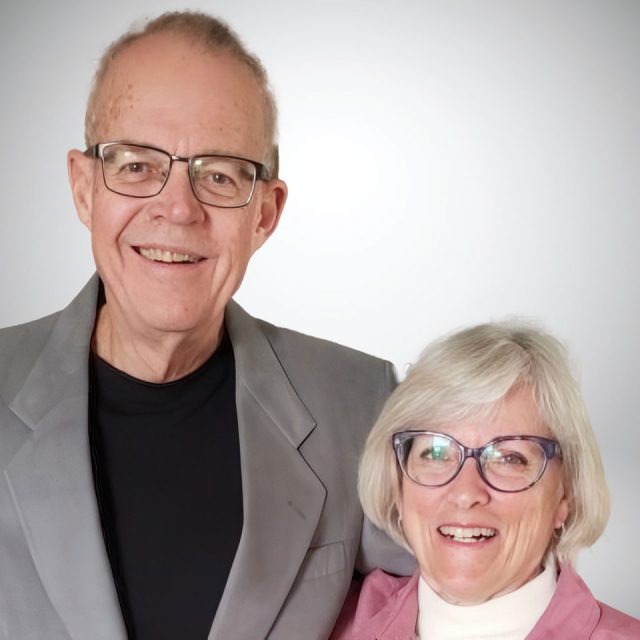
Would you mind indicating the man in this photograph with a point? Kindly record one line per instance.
(173, 467)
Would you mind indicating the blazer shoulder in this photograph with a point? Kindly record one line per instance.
(27, 330)
(20, 346)
(616, 624)
(331, 379)
(294, 345)
(574, 613)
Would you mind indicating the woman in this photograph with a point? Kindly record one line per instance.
(496, 536)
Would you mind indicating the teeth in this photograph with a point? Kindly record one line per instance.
(167, 256)
(464, 534)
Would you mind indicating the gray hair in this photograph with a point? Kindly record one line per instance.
(215, 36)
(469, 373)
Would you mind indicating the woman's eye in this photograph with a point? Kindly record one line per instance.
(513, 459)
(433, 453)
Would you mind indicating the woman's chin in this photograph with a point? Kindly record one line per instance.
(462, 588)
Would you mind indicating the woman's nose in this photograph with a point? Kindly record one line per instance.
(468, 489)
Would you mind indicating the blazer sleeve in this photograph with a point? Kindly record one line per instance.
(377, 550)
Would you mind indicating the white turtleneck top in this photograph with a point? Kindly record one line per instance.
(507, 617)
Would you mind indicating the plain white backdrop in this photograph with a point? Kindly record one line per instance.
(448, 163)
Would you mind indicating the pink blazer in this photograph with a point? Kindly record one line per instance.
(386, 608)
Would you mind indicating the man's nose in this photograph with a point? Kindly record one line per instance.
(468, 489)
(177, 202)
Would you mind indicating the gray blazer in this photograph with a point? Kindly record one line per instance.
(304, 408)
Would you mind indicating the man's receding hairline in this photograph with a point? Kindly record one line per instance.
(115, 59)
(196, 29)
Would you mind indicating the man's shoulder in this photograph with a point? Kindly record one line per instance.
(19, 347)
(329, 378)
(22, 344)
(329, 368)
(290, 342)
(29, 331)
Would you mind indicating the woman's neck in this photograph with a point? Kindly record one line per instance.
(508, 617)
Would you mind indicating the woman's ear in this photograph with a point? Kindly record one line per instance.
(562, 511)
(397, 502)
(81, 176)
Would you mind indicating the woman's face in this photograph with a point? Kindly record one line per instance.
(517, 527)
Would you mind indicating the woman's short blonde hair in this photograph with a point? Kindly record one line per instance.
(469, 373)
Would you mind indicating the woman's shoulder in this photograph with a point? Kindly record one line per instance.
(379, 601)
(611, 623)
(379, 586)
(574, 612)
(616, 624)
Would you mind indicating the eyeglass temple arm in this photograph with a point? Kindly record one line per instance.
(92, 151)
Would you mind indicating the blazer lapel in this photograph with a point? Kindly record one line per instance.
(283, 498)
(51, 479)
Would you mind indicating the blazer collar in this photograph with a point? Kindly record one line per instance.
(62, 363)
(403, 614)
(283, 498)
(51, 479)
(573, 611)
(261, 374)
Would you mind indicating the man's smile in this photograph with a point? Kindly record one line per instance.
(163, 255)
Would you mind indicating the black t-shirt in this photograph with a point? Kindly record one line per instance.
(166, 461)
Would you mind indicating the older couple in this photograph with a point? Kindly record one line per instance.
(174, 468)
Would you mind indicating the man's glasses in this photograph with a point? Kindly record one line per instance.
(509, 463)
(141, 171)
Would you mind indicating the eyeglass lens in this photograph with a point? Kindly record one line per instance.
(142, 172)
(508, 465)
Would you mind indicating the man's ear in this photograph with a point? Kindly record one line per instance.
(272, 203)
(80, 170)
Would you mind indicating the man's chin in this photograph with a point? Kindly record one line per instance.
(151, 319)
(176, 322)
(144, 311)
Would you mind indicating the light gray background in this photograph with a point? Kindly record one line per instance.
(448, 163)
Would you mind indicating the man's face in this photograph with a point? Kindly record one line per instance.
(163, 92)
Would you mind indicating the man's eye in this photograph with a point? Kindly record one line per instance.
(136, 167)
(220, 178)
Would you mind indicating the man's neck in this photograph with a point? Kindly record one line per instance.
(157, 357)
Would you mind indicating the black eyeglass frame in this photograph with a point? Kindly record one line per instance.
(96, 151)
(551, 449)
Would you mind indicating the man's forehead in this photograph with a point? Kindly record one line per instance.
(158, 60)
(172, 80)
